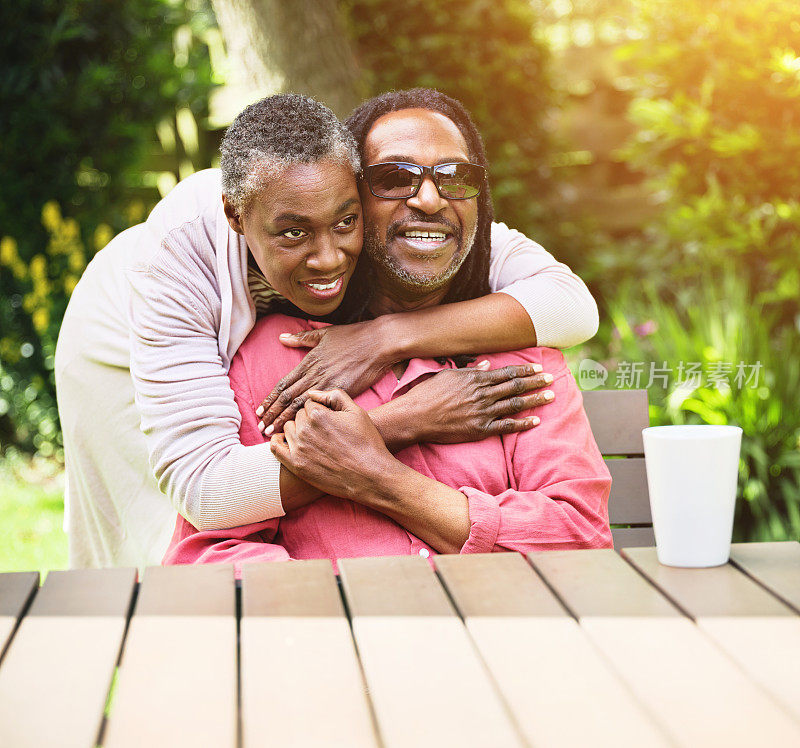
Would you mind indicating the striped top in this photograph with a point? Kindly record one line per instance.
(260, 290)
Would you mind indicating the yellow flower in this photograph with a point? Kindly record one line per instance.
(8, 251)
(38, 267)
(69, 284)
(103, 234)
(71, 229)
(40, 319)
(19, 268)
(77, 262)
(51, 216)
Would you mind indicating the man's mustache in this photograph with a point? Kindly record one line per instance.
(396, 227)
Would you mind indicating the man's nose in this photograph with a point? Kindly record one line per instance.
(327, 254)
(427, 199)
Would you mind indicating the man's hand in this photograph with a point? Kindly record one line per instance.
(467, 405)
(345, 357)
(333, 445)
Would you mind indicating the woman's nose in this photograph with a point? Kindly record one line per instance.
(327, 255)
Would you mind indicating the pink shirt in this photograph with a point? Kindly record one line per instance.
(546, 488)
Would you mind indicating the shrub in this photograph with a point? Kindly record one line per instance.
(715, 331)
(84, 84)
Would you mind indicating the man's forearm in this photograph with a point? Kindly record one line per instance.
(395, 424)
(434, 512)
(496, 322)
(295, 492)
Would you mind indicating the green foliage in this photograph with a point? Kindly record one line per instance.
(715, 329)
(720, 96)
(84, 84)
(484, 54)
(718, 118)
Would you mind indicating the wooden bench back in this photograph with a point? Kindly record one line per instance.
(617, 418)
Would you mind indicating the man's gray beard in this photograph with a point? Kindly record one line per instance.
(389, 269)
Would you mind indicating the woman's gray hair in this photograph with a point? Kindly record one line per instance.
(274, 133)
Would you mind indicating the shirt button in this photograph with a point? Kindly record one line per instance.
(424, 552)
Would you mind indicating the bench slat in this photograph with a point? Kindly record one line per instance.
(684, 680)
(752, 626)
(293, 622)
(16, 589)
(775, 565)
(628, 503)
(542, 662)
(426, 682)
(633, 537)
(617, 418)
(183, 630)
(55, 676)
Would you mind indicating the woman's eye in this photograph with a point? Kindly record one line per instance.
(347, 222)
(293, 233)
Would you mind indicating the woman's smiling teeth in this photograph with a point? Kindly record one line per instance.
(324, 286)
(324, 290)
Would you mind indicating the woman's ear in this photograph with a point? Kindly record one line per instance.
(232, 215)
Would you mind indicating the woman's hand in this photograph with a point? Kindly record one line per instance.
(346, 357)
(466, 405)
(333, 445)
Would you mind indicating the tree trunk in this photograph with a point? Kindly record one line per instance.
(291, 45)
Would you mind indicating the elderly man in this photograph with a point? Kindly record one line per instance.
(428, 210)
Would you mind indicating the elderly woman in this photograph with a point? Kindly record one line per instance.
(154, 323)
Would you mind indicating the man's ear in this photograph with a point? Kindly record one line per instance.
(232, 215)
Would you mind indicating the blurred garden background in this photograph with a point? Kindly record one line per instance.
(654, 146)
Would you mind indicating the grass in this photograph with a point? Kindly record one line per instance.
(31, 515)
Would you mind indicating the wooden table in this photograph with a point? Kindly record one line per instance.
(571, 648)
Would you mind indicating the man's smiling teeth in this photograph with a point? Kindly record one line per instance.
(432, 236)
(323, 286)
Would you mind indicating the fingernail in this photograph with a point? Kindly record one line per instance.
(536, 421)
(260, 411)
(547, 378)
(269, 430)
(261, 425)
(285, 335)
(548, 395)
(483, 363)
(537, 368)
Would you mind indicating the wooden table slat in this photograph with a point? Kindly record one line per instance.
(55, 676)
(178, 675)
(683, 679)
(496, 584)
(301, 683)
(779, 569)
(715, 591)
(16, 589)
(427, 683)
(600, 583)
(541, 661)
(753, 627)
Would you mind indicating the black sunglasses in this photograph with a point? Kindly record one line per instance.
(397, 180)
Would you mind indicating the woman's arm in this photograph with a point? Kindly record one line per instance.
(188, 414)
(542, 303)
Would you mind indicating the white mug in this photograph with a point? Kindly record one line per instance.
(692, 474)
